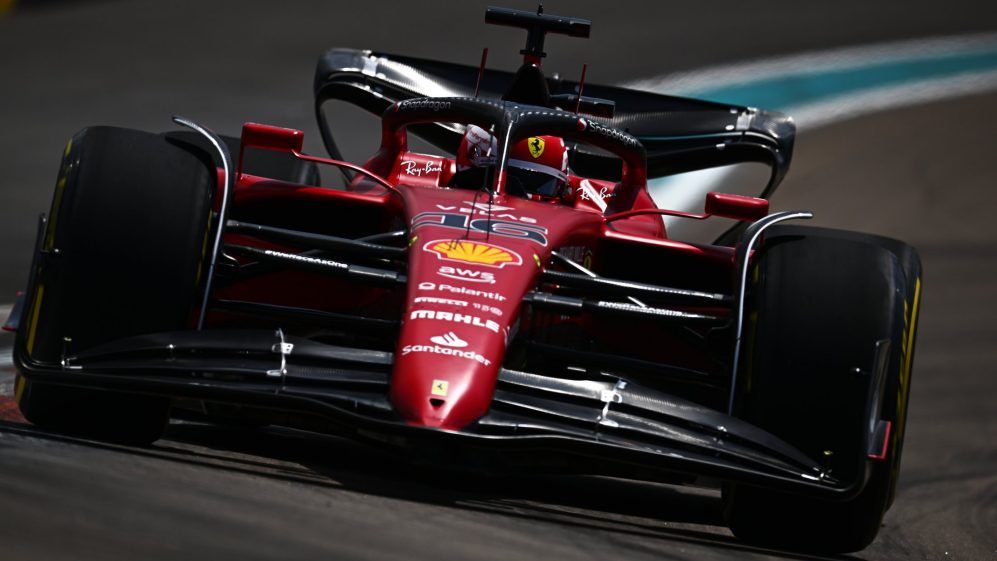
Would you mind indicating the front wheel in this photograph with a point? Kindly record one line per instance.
(121, 255)
(828, 349)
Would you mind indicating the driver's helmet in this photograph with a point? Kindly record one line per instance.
(537, 167)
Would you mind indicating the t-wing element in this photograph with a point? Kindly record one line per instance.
(530, 86)
(537, 26)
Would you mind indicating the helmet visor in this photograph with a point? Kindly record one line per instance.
(523, 182)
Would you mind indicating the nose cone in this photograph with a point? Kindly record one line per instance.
(448, 381)
(463, 294)
(450, 348)
(469, 265)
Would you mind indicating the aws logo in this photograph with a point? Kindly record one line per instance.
(478, 253)
(471, 275)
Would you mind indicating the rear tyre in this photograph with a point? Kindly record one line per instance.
(820, 302)
(123, 250)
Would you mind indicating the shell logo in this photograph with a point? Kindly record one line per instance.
(473, 252)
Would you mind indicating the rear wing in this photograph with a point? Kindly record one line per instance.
(679, 134)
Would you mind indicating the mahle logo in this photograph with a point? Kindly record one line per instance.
(453, 317)
(473, 252)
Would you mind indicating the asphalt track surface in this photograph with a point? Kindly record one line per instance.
(925, 174)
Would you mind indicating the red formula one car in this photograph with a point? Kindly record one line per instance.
(511, 303)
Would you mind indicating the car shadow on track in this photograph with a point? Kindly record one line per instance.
(642, 510)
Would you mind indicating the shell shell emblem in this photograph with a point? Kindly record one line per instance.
(473, 252)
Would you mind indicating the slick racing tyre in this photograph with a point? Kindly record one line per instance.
(121, 255)
(822, 307)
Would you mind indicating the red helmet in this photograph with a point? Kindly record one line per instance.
(538, 166)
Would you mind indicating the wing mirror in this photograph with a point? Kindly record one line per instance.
(269, 137)
(737, 207)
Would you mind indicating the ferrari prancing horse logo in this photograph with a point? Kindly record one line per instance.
(440, 387)
(536, 146)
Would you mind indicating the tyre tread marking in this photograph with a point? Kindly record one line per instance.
(36, 307)
(908, 354)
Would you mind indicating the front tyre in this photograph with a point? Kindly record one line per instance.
(821, 306)
(121, 256)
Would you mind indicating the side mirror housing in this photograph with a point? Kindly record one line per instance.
(269, 137)
(737, 207)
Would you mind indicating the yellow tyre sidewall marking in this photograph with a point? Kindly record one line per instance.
(908, 357)
(36, 307)
(49, 243)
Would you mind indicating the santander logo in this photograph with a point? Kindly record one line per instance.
(448, 344)
(449, 340)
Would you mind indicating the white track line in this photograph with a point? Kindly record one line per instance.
(815, 115)
(6, 358)
(846, 105)
(715, 77)
(685, 192)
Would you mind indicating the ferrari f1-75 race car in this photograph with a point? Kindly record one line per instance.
(514, 302)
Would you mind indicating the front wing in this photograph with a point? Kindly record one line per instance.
(596, 423)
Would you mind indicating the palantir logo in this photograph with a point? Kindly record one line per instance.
(449, 340)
